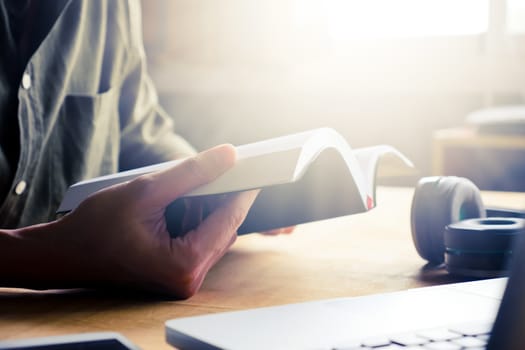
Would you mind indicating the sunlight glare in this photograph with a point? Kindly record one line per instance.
(364, 19)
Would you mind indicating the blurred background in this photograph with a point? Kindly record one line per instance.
(378, 71)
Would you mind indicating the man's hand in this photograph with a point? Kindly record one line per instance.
(118, 236)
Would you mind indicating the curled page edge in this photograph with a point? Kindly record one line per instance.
(382, 161)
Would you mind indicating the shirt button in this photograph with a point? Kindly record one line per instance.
(26, 81)
(20, 187)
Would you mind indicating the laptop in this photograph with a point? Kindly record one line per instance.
(485, 314)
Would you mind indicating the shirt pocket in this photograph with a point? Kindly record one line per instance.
(86, 136)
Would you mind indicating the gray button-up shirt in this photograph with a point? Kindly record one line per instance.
(86, 107)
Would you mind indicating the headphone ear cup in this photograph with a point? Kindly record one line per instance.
(481, 247)
(437, 202)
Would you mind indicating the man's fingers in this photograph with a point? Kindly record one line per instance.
(202, 247)
(199, 249)
(216, 231)
(163, 187)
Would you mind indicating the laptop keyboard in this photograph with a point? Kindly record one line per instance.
(471, 336)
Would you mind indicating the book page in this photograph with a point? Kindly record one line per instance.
(382, 161)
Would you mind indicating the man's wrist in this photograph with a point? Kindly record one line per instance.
(41, 257)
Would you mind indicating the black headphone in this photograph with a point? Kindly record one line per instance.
(450, 225)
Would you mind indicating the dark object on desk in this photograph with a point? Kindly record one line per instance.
(83, 341)
(479, 247)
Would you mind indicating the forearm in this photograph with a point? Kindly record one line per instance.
(42, 257)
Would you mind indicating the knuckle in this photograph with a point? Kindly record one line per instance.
(196, 170)
(142, 185)
(236, 218)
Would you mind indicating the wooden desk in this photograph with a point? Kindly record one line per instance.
(349, 256)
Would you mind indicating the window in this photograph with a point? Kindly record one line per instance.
(516, 16)
(362, 19)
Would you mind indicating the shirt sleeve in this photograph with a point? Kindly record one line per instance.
(147, 132)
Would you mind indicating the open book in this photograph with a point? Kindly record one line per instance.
(304, 177)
